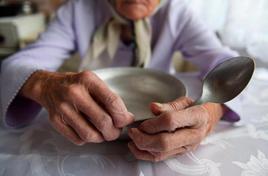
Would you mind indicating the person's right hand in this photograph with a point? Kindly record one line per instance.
(81, 107)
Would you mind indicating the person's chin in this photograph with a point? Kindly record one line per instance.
(134, 12)
(135, 17)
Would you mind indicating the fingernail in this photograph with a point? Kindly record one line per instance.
(130, 118)
(159, 105)
(131, 114)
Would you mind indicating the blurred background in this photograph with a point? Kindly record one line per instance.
(21, 22)
(241, 25)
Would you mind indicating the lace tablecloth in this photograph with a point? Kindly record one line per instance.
(238, 149)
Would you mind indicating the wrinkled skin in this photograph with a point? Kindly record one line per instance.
(178, 128)
(84, 110)
(81, 107)
(136, 9)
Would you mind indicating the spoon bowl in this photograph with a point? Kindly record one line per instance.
(227, 80)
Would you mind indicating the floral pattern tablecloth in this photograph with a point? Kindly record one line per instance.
(233, 149)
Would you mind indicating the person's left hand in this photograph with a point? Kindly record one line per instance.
(178, 128)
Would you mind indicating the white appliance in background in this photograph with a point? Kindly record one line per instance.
(17, 31)
(9, 40)
(28, 26)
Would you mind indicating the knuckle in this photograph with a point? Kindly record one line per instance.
(181, 103)
(86, 74)
(169, 121)
(74, 90)
(113, 136)
(102, 125)
(139, 142)
(199, 135)
(121, 121)
(163, 143)
(106, 127)
(62, 106)
(198, 116)
(112, 98)
(198, 122)
(201, 121)
(88, 137)
(85, 135)
(104, 122)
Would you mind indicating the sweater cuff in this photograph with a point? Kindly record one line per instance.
(17, 111)
(230, 116)
(21, 112)
(233, 110)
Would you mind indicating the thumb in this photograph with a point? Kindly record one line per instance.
(176, 105)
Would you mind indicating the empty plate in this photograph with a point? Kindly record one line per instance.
(139, 87)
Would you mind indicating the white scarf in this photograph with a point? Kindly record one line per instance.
(107, 38)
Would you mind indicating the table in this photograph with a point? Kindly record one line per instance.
(233, 149)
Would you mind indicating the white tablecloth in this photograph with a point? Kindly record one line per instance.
(238, 149)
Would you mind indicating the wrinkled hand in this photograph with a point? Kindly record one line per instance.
(179, 127)
(81, 107)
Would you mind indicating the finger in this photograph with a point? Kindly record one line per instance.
(156, 108)
(158, 156)
(139, 154)
(164, 142)
(65, 130)
(176, 105)
(172, 120)
(82, 127)
(166, 155)
(111, 101)
(98, 117)
(178, 151)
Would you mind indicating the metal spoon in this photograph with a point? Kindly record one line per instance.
(227, 80)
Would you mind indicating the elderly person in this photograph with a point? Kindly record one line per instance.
(118, 33)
